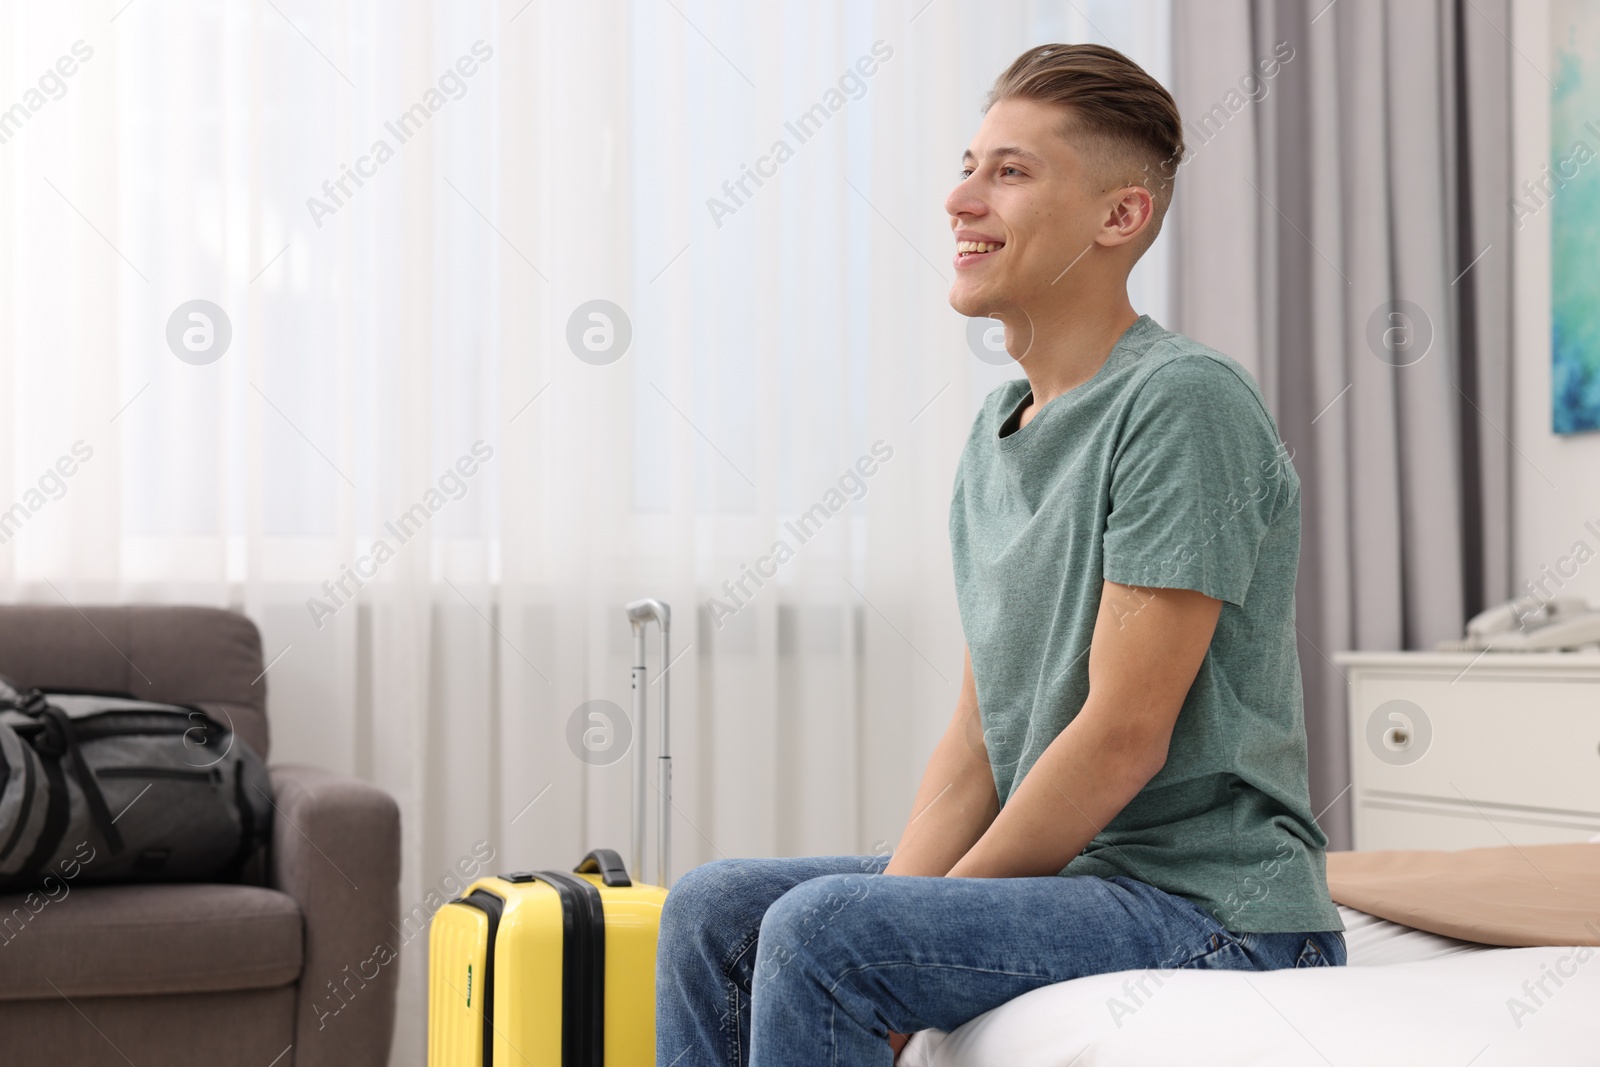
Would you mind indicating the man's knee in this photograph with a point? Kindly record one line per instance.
(698, 897)
(830, 908)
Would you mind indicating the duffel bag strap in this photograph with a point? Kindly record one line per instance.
(57, 814)
(86, 779)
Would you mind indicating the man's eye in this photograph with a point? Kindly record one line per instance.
(968, 170)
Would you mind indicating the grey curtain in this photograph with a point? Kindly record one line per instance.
(1342, 228)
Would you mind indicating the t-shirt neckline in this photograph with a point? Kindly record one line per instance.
(1021, 433)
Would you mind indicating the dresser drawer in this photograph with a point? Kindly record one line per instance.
(1400, 820)
(1531, 741)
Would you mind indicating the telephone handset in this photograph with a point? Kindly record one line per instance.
(1529, 624)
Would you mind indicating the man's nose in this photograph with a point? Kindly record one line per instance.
(962, 202)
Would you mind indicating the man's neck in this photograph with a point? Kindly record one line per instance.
(1065, 347)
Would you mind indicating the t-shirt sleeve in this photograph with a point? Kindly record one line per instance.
(1197, 479)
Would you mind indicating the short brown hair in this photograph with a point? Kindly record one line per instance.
(1129, 118)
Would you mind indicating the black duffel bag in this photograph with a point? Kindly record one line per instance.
(107, 788)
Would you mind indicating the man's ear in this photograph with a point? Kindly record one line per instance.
(1130, 214)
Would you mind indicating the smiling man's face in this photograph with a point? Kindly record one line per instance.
(1032, 191)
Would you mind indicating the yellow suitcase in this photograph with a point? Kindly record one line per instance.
(550, 969)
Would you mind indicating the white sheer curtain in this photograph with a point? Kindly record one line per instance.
(536, 157)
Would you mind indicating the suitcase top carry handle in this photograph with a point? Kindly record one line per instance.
(607, 864)
(640, 614)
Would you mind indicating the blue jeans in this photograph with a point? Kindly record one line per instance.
(813, 960)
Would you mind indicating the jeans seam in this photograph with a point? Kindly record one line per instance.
(941, 966)
(736, 953)
(729, 962)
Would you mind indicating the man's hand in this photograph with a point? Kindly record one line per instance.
(1147, 647)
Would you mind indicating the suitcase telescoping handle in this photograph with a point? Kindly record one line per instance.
(640, 613)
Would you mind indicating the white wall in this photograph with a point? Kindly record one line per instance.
(1555, 478)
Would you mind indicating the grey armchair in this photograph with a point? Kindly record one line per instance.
(293, 974)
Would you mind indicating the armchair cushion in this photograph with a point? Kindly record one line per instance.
(94, 941)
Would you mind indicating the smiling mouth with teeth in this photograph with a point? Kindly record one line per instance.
(967, 250)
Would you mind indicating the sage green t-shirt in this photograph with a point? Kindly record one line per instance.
(1164, 470)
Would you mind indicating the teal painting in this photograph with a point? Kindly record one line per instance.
(1571, 189)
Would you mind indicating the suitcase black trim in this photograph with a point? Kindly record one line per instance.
(491, 906)
(583, 964)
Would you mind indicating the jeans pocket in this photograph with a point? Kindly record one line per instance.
(1311, 955)
(1235, 951)
(1223, 952)
(1329, 952)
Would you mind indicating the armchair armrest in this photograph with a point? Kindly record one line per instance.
(336, 851)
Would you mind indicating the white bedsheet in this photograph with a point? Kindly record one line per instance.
(1406, 997)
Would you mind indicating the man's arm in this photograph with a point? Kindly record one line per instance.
(1146, 650)
(956, 801)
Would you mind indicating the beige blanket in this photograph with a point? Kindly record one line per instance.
(1514, 895)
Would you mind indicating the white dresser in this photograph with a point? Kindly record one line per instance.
(1461, 750)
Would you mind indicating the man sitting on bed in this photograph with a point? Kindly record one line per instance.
(1123, 782)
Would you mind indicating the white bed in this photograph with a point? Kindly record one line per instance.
(1406, 997)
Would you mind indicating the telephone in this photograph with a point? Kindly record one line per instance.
(1529, 624)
